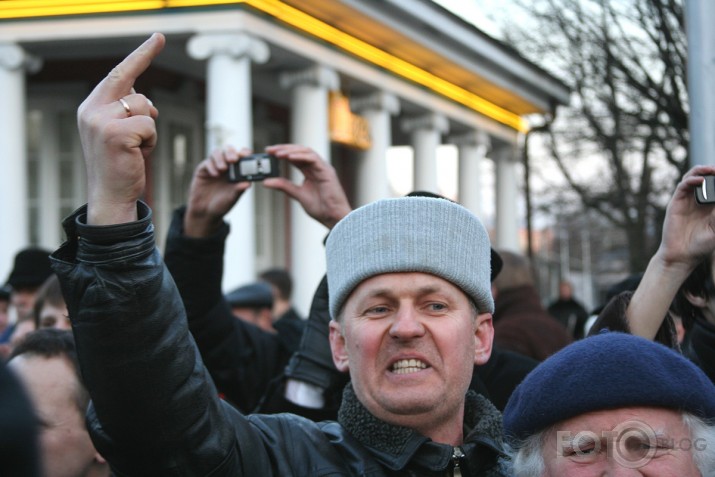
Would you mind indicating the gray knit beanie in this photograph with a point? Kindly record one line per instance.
(410, 234)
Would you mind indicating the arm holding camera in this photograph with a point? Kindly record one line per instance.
(321, 195)
(313, 385)
(241, 358)
(688, 238)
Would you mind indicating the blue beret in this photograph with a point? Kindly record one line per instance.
(254, 295)
(606, 371)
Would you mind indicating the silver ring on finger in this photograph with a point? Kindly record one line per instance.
(126, 106)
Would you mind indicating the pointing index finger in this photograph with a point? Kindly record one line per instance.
(120, 81)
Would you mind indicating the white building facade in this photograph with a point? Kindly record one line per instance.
(254, 73)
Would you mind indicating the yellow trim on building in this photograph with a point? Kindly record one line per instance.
(291, 16)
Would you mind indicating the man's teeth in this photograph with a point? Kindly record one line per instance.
(405, 366)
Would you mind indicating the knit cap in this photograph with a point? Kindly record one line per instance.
(410, 234)
(606, 371)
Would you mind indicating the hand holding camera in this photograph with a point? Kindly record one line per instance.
(705, 194)
(211, 195)
(321, 195)
(689, 225)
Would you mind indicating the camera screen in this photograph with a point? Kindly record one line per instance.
(258, 166)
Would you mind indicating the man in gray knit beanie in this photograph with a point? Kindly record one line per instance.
(412, 310)
(411, 304)
(410, 234)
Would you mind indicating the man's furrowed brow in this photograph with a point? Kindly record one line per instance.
(379, 293)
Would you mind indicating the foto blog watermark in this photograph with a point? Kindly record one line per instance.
(631, 444)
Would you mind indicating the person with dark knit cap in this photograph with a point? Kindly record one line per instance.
(613, 401)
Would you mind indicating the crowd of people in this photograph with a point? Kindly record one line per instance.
(425, 352)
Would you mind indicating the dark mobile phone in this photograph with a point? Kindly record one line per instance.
(255, 167)
(705, 194)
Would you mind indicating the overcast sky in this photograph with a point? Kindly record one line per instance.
(485, 14)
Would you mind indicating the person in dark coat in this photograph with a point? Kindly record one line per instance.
(521, 324)
(411, 317)
(569, 311)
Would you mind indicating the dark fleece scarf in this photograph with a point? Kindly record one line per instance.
(396, 446)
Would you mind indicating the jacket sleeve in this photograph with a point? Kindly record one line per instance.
(155, 411)
(241, 358)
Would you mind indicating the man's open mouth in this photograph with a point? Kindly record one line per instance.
(405, 366)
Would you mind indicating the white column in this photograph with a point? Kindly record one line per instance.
(699, 16)
(372, 181)
(309, 127)
(507, 190)
(230, 122)
(472, 148)
(14, 62)
(426, 134)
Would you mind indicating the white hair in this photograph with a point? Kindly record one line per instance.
(702, 434)
(528, 455)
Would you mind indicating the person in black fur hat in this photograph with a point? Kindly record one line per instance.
(30, 270)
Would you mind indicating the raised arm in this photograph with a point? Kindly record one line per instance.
(688, 238)
(118, 133)
(241, 357)
(154, 410)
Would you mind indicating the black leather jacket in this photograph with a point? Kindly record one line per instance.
(155, 411)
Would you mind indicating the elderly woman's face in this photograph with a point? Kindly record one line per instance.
(641, 441)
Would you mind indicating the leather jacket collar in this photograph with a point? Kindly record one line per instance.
(396, 446)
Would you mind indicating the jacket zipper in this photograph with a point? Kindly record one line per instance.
(457, 454)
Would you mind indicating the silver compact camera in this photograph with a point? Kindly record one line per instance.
(255, 167)
(705, 193)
